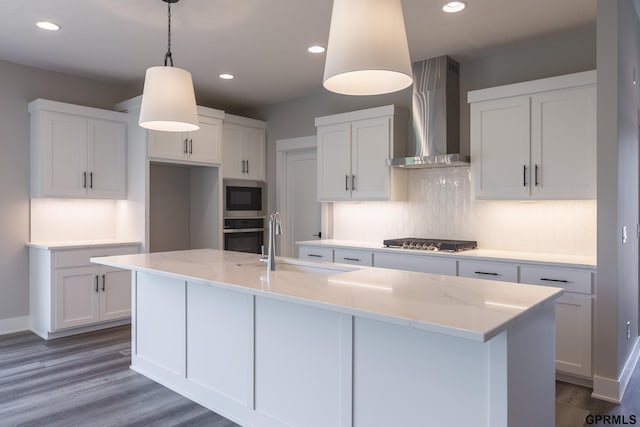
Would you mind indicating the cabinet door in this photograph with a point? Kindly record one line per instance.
(115, 295)
(255, 153)
(501, 271)
(205, 143)
(563, 144)
(500, 148)
(106, 153)
(76, 297)
(65, 155)
(573, 334)
(334, 162)
(233, 165)
(168, 145)
(370, 147)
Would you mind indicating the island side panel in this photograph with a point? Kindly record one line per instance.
(302, 365)
(409, 377)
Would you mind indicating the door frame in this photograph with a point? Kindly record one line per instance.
(284, 147)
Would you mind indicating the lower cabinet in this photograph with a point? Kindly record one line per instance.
(353, 256)
(573, 334)
(419, 263)
(314, 253)
(67, 291)
(501, 271)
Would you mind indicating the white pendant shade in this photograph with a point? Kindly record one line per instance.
(168, 100)
(367, 52)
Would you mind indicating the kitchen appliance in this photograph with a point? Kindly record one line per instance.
(431, 244)
(244, 234)
(435, 140)
(244, 198)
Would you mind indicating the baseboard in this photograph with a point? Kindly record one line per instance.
(613, 390)
(14, 324)
(82, 329)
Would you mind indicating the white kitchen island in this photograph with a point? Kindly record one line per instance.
(333, 345)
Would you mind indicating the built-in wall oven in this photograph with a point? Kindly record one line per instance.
(244, 198)
(244, 234)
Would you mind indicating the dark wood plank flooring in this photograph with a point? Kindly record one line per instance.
(85, 380)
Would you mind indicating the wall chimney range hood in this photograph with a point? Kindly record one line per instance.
(435, 139)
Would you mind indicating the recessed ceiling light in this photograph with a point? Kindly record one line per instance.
(454, 6)
(316, 49)
(226, 76)
(49, 26)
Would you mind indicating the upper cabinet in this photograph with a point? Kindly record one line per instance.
(352, 149)
(243, 148)
(76, 151)
(535, 140)
(203, 146)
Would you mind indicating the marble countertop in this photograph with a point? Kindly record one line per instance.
(561, 260)
(80, 244)
(463, 307)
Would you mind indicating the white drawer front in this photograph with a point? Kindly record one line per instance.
(571, 280)
(419, 263)
(80, 257)
(352, 256)
(488, 270)
(314, 253)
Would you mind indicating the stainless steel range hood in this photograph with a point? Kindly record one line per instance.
(435, 140)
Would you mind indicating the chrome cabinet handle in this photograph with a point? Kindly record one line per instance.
(103, 282)
(346, 183)
(353, 182)
(486, 273)
(536, 176)
(97, 284)
(524, 175)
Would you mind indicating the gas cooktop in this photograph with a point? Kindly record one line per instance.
(431, 244)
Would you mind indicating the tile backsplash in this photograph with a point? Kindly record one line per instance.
(440, 205)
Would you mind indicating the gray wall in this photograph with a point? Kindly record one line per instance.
(618, 102)
(20, 85)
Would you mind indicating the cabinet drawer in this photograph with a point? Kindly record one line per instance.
(353, 256)
(80, 257)
(419, 263)
(571, 280)
(314, 253)
(503, 272)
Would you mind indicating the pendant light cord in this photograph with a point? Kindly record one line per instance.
(167, 56)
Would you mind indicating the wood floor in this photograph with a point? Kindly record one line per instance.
(85, 380)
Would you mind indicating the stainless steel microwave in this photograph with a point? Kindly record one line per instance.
(244, 198)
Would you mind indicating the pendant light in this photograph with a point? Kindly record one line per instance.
(367, 53)
(168, 98)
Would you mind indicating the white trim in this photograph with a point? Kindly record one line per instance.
(78, 110)
(613, 390)
(283, 148)
(14, 324)
(351, 116)
(584, 78)
(244, 121)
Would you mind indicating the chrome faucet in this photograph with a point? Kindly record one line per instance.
(275, 229)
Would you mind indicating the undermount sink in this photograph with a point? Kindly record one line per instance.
(308, 267)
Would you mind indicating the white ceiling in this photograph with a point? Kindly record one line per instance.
(263, 43)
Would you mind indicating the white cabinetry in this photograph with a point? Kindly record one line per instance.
(535, 139)
(419, 263)
(352, 149)
(314, 253)
(244, 148)
(573, 315)
(68, 291)
(203, 146)
(353, 256)
(501, 271)
(76, 151)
